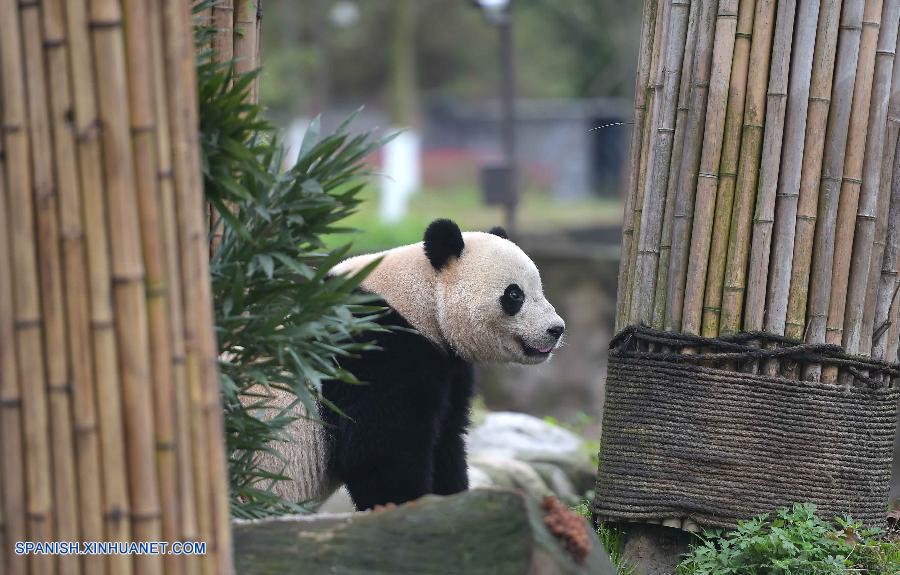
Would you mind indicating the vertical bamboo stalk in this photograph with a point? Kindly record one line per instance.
(187, 528)
(832, 174)
(770, 163)
(223, 20)
(246, 43)
(851, 183)
(814, 143)
(881, 285)
(884, 343)
(131, 322)
(50, 285)
(665, 243)
(809, 19)
(857, 336)
(690, 164)
(77, 301)
(748, 168)
(86, 122)
(200, 345)
(705, 201)
(655, 85)
(26, 302)
(11, 437)
(648, 26)
(656, 185)
(728, 167)
(144, 133)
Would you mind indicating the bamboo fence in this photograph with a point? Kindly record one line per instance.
(110, 414)
(762, 192)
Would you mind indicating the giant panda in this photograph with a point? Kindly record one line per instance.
(453, 299)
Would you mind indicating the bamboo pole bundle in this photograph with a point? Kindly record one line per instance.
(851, 182)
(102, 432)
(705, 200)
(787, 194)
(657, 182)
(728, 166)
(635, 155)
(857, 336)
(200, 344)
(77, 302)
(13, 487)
(748, 168)
(187, 508)
(116, 504)
(26, 300)
(689, 164)
(655, 85)
(807, 202)
(839, 118)
(770, 162)
(681, 112)
(876, 311)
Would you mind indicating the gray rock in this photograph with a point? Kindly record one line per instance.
(558, 481)
(512, 473)
(522, 436)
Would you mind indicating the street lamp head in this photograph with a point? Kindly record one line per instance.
(496, 11)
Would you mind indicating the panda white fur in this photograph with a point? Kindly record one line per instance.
(464, 298)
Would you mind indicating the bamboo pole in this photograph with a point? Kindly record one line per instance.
(857, 336)
(65, 497)
(200, 344)
(705, 201)
(728, 167)
(839, 120)
(223, 19)
(770, 163)
(131, 322)
(246, 43)
(681, 112)
(807, 202)
(851, 182)
(748, 168)
(635, 155)
(690, 164)
(655, 85)
(884, 342)
(809, 19)
(657, 183)
(26, 302)
(882, 281)
(187, 518)
(144, 131)
(77, 300)
(116, 505)
(11, 416)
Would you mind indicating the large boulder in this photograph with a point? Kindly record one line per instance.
(478, 532)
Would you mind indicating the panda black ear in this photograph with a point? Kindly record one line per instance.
(442, 240)
(498, 231)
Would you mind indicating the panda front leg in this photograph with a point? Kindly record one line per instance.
(450, 470)
(399, 467)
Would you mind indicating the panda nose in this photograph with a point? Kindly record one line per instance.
(556, 331)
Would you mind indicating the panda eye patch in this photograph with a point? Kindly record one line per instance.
(512, 299)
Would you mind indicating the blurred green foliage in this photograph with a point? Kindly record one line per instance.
(563, 49)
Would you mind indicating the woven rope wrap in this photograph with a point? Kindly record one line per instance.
(684, 436)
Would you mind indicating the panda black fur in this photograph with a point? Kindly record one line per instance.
(456, 299)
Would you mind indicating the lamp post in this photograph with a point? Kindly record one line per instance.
(498, 13)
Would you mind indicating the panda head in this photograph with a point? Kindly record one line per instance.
(488, 297)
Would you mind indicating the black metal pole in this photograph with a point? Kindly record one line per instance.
(508, 116)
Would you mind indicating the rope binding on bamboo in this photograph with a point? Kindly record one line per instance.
(694, 432)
